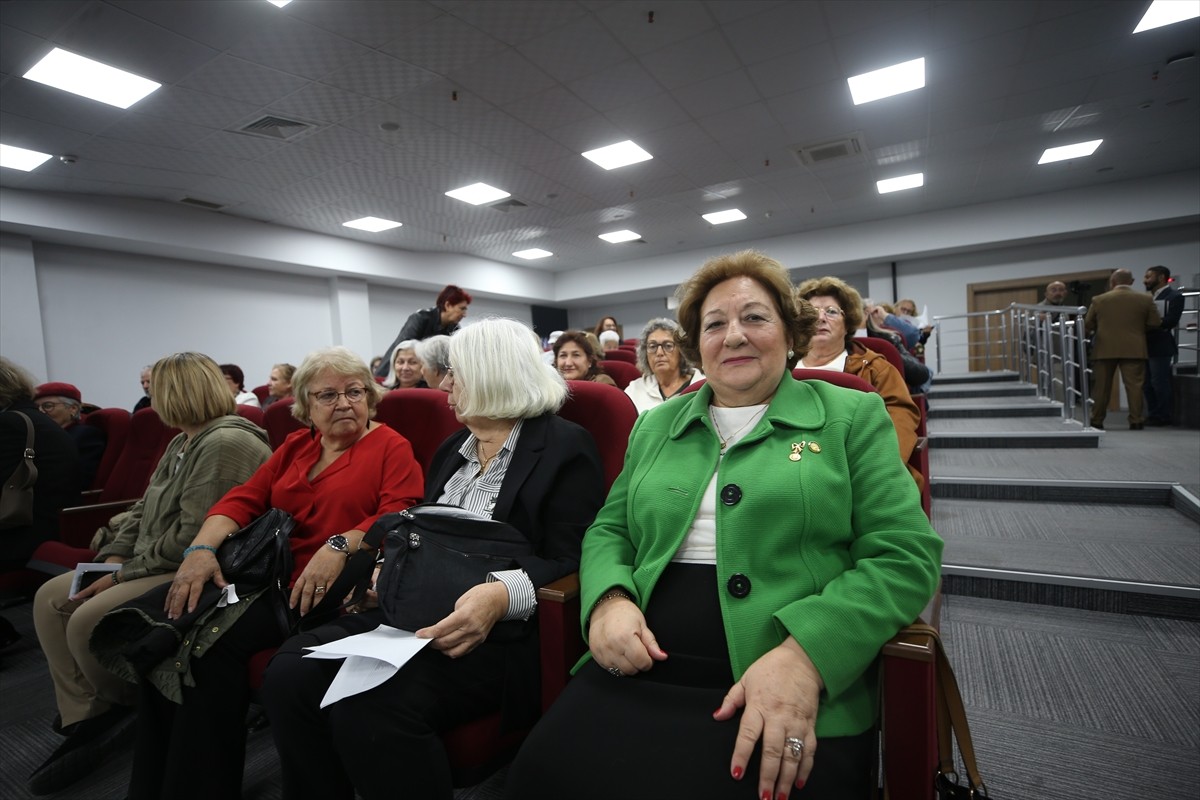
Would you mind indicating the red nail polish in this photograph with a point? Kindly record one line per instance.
(781, 796)
(766, 795)
(799, 783)
(737, 773)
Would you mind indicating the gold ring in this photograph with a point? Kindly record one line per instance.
(319, 590)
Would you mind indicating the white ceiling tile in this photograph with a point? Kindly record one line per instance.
(35, 134)
(323, 103)
(226, 76)
(614, 88)
(368, 122)
(443, 103)
(23, 98)
(552, 108)
(777, 31)
(503, 78)
(684, 63)
(380, 76)
(514, 21)
(808, 66)
(443, 45)
(299, 48)
(579, 48)
(19, 50)
(647, 115)
(674, 22)
(711, 96)
(196, 108)
(816, 113)
(368, 22)
(851, 18)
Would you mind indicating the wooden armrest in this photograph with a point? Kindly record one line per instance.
(916, 644)
(563, 590)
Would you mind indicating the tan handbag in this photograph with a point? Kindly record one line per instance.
(16, 499)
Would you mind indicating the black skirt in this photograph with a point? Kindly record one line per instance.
(652, 735)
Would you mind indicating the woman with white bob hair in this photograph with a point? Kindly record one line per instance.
(517, 462)
(434, 355)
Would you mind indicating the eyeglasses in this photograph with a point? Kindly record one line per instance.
(355, 394)
(833, 312)
(666, 347)
(49, 406)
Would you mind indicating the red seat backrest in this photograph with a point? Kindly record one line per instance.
(885, 349)
(115, 423)
(421, 416)
(262, 392)
(621, 354)
(148, 439)
(253, 414)
(608, 415)
(279, 422)
(622, 372)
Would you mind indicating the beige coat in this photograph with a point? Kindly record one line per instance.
(1119, 320)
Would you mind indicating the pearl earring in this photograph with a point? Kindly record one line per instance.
(791, 353)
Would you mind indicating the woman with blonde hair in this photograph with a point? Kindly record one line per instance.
(216, 451)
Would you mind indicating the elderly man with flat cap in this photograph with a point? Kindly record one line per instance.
(1119, 320)
(63, 403)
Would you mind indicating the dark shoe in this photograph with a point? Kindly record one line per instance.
(89, 743)
(1136, 426)
(1098, 425)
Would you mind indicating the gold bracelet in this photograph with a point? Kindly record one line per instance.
(609, 595)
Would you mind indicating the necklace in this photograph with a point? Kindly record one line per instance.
(725, 440)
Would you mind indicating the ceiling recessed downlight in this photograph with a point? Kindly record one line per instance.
(901, 183)
(881, 83)
(280, 3)
(1167, 12)
(372, 224)
(533, 252)
(1069, 151)
(617, 155)
(87, 78)
(478, 193)
(20, 158)
(721, 217)
(616, 237)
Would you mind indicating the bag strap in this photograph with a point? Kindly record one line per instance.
(31, 471)
(952, 717)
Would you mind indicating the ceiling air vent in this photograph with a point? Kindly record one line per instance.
(270, 127)
(821, 153)
(192, 201)
(509, 205)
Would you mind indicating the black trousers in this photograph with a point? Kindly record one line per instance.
(651, 736)
(198, 749)
(383, 742)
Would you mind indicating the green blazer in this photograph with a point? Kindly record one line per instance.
(835, 545)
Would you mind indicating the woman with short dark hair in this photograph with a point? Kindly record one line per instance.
(576, 359)
(443, 319)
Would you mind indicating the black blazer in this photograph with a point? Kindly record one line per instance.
(1161, 343)
(551, 493)
(57, 482)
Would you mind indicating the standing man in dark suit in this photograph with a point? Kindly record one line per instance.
(1161, 346)
(1119, 320)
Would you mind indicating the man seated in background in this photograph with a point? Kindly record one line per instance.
(144, 400)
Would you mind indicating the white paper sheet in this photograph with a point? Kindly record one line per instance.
(83, 569)
(371, 658)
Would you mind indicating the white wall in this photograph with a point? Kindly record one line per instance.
(21, 339)
(107, 314)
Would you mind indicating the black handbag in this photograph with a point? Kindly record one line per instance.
(434, 553)
(16, 497)
(259, 557)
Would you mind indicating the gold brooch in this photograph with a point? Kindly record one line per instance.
(814, 447)
(797, 451)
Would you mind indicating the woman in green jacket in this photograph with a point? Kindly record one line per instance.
(765, 535)
(216, 451)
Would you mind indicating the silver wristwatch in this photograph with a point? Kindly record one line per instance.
(339, 543)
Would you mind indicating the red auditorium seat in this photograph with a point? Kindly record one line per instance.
(262, 392)
(253, 414)
(608, 414)
(622, 372)
(115, 423)
(279, 422)
(421, 416)
(621, 354)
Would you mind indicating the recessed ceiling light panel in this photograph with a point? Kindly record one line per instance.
(372, 224)
(1069, 151)
(534, 252)
(901, 183)
(280, 3)
(20, 158)
(616, 237)
(888, 81)
(618, 155)
(87, 78)
(477, 194)
(1168, 12)
(721, 217)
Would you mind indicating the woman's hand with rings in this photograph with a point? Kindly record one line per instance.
(619, 639)
(779, 695)
(468, 625)
(320, 572)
